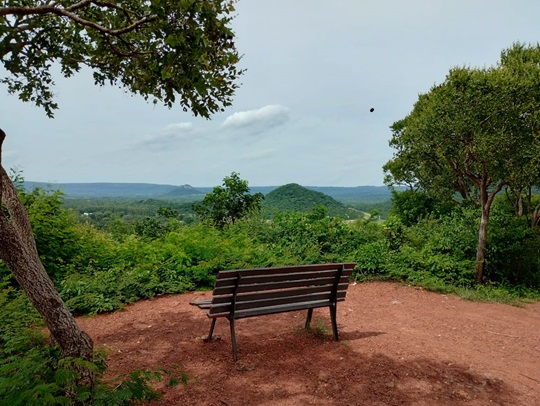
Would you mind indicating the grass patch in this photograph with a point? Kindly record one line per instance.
(317, 330)
(512, 295)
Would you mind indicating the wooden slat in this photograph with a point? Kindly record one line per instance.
(201, 302)
(274, 286)
(227, 290)
(261, 312)
(278, 293)
(277, 277)
(273, 302)
(225, 282)
(282, 269)
(280, 309)
(204, 306)
(283, 277)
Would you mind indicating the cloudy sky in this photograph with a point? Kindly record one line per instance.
(314, 70)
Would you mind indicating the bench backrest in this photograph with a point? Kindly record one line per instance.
(253, 292)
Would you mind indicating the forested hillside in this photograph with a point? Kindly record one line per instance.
(294, 197)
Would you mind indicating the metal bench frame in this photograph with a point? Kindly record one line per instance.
(254, 292)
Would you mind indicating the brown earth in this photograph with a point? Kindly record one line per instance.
(400, 345)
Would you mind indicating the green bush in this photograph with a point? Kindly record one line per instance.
(312, 237)
(372, 258)
(32, 373)
(54, 230)
(513, 254)
(435, 248)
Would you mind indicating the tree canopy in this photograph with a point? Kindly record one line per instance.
(229, 202)
(474, 134)
(164, 50)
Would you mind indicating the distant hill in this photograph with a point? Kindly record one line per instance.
(104, 189)
(363, 194)
(184, 190)
(297, 198)
(358, 194)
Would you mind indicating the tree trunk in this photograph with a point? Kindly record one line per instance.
(534, 213)
(535, 217)
(34, 280)
(482, 245)
(19, 252)
(486, 201)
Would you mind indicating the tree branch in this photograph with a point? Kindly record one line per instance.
(65, 12)
(494, 192)
(78, 5)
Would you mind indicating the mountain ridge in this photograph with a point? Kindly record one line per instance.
(146, 190)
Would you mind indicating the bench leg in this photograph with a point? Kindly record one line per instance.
(211, 330)
(308, 319)
(333, 309)
(233, 339)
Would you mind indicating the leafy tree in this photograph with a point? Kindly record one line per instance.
(229, 202)
(472, 135)
(412, 205)
(160, 49)
(167, 51)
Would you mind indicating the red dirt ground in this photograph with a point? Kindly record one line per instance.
(399, 345)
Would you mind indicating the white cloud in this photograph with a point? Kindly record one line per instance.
(170, 137)
(258, 121)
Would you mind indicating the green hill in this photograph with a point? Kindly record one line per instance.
(293, 197)
(184, 190)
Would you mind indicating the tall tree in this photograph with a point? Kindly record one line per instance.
(229, 202)
(168, 51)
(472, 135)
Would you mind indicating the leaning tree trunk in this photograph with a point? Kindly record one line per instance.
(19, 252)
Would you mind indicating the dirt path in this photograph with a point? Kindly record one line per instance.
(399, 345)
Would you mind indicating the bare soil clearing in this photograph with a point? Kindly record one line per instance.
(400, 345)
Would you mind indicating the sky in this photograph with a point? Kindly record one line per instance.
(314, 69)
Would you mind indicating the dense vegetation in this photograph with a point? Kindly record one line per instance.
(100, 269)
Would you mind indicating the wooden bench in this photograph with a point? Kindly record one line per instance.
(255, 292)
